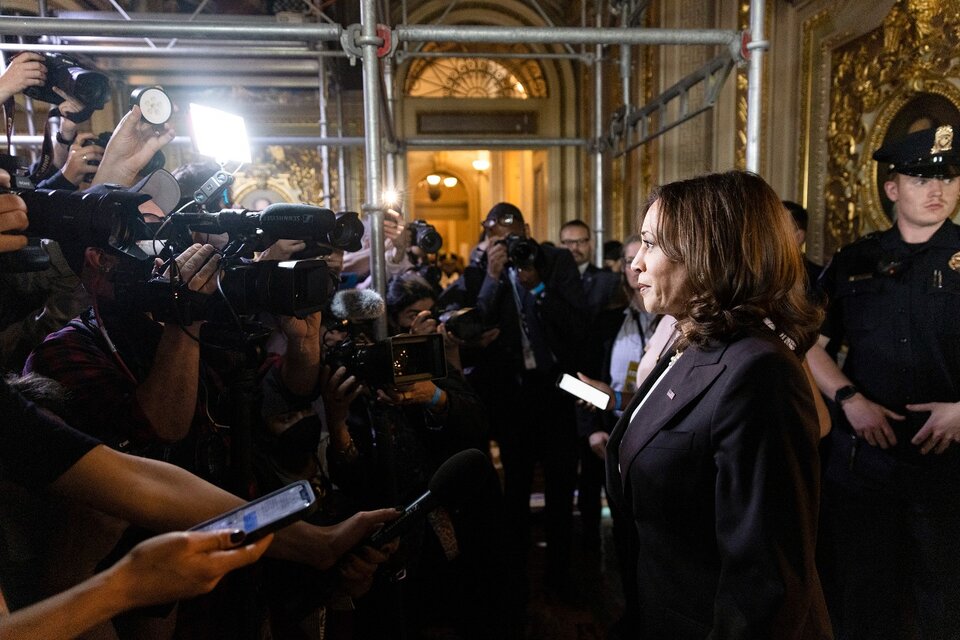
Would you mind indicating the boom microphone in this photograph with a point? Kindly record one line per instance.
(454, 477)
(279, 220)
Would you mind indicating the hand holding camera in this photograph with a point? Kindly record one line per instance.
(13, 217)
(84, 158)
(497, 259)
(197, 268)
(25, 70)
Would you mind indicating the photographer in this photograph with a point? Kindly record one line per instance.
(535, 298)
(36, 449)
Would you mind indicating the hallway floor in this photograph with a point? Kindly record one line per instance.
(592, 603)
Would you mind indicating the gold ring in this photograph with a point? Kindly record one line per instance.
(84, 156)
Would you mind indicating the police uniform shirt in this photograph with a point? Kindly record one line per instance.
(898, 308)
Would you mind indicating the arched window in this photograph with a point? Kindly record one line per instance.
(451, 77)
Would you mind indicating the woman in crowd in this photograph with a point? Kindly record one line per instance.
(715, 459)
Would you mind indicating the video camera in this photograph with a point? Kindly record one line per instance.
(92, 88)
(281, 220)
(393, 361)
(293, 287)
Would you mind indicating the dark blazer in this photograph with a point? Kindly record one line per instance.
(720, 474)
(599, 287)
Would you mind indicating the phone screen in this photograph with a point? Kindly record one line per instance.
(583, 391)
(265, 514)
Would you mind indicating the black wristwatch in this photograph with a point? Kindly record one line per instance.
(63, 140)
(845, 393)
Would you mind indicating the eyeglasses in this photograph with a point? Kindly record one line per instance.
(575, 242)
(504, 220)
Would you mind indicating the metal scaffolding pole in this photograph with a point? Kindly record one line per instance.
(162, 29)
(518, 142)
(370, 42)
(600, 145)
(176, 52)
(36, 141)
(324, 150)
(560, 35)
(756, 47)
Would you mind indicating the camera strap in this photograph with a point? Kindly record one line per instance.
(9, 110)
(44, 167)
(529, 357)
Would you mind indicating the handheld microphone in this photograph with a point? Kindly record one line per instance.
(457, 475)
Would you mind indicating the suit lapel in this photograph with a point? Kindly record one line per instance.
(614, 482)
(693, 373)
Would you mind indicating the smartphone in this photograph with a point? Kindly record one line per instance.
(576, 386)
(267, 514)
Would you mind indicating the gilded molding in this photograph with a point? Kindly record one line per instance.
(913, 52)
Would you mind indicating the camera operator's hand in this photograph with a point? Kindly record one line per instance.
(423, 324)
(598, 443)
(299, 369)
(132, 145)
(338, 390)
(282, 250)
(393, 228)
(496, 259)
(25, 70)
(69, 107)
(198, 267)
(81, 160)
(421, 392)
(13, 217)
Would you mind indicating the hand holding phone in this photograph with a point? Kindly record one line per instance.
(267, 514)
(584, 391)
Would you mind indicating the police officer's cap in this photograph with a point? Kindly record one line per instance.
(929, 153)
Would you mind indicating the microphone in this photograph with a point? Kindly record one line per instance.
(357, 305)
(459, 474)
(279, 220)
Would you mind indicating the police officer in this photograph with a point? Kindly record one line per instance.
(892, 482)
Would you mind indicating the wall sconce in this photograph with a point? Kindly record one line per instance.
(481, 165)
(435, 180)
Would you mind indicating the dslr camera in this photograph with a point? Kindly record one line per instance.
(393, 361)
(90, 87)
(521, 251)
(107, 217)
(424, 235)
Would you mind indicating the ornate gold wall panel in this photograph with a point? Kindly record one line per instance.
(911, 55)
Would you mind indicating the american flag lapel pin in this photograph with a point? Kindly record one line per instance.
(670, 393)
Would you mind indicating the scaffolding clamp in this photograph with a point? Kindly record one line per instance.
(352, 40)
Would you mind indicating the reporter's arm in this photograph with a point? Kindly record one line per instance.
(160, 496)
(162, 569)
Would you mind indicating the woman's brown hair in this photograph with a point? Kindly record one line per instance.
(737, 243)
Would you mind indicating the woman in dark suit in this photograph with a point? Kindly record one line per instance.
(715, 459)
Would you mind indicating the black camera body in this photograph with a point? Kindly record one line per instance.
(521, 251)
(107, 217)
(466, 323)
(393, 361)
(425, 235)
(90, 87)
(292, 288)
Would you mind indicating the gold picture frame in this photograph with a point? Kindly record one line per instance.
(938, 104)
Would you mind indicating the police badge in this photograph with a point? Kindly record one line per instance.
(942, 140)
(954, 262)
